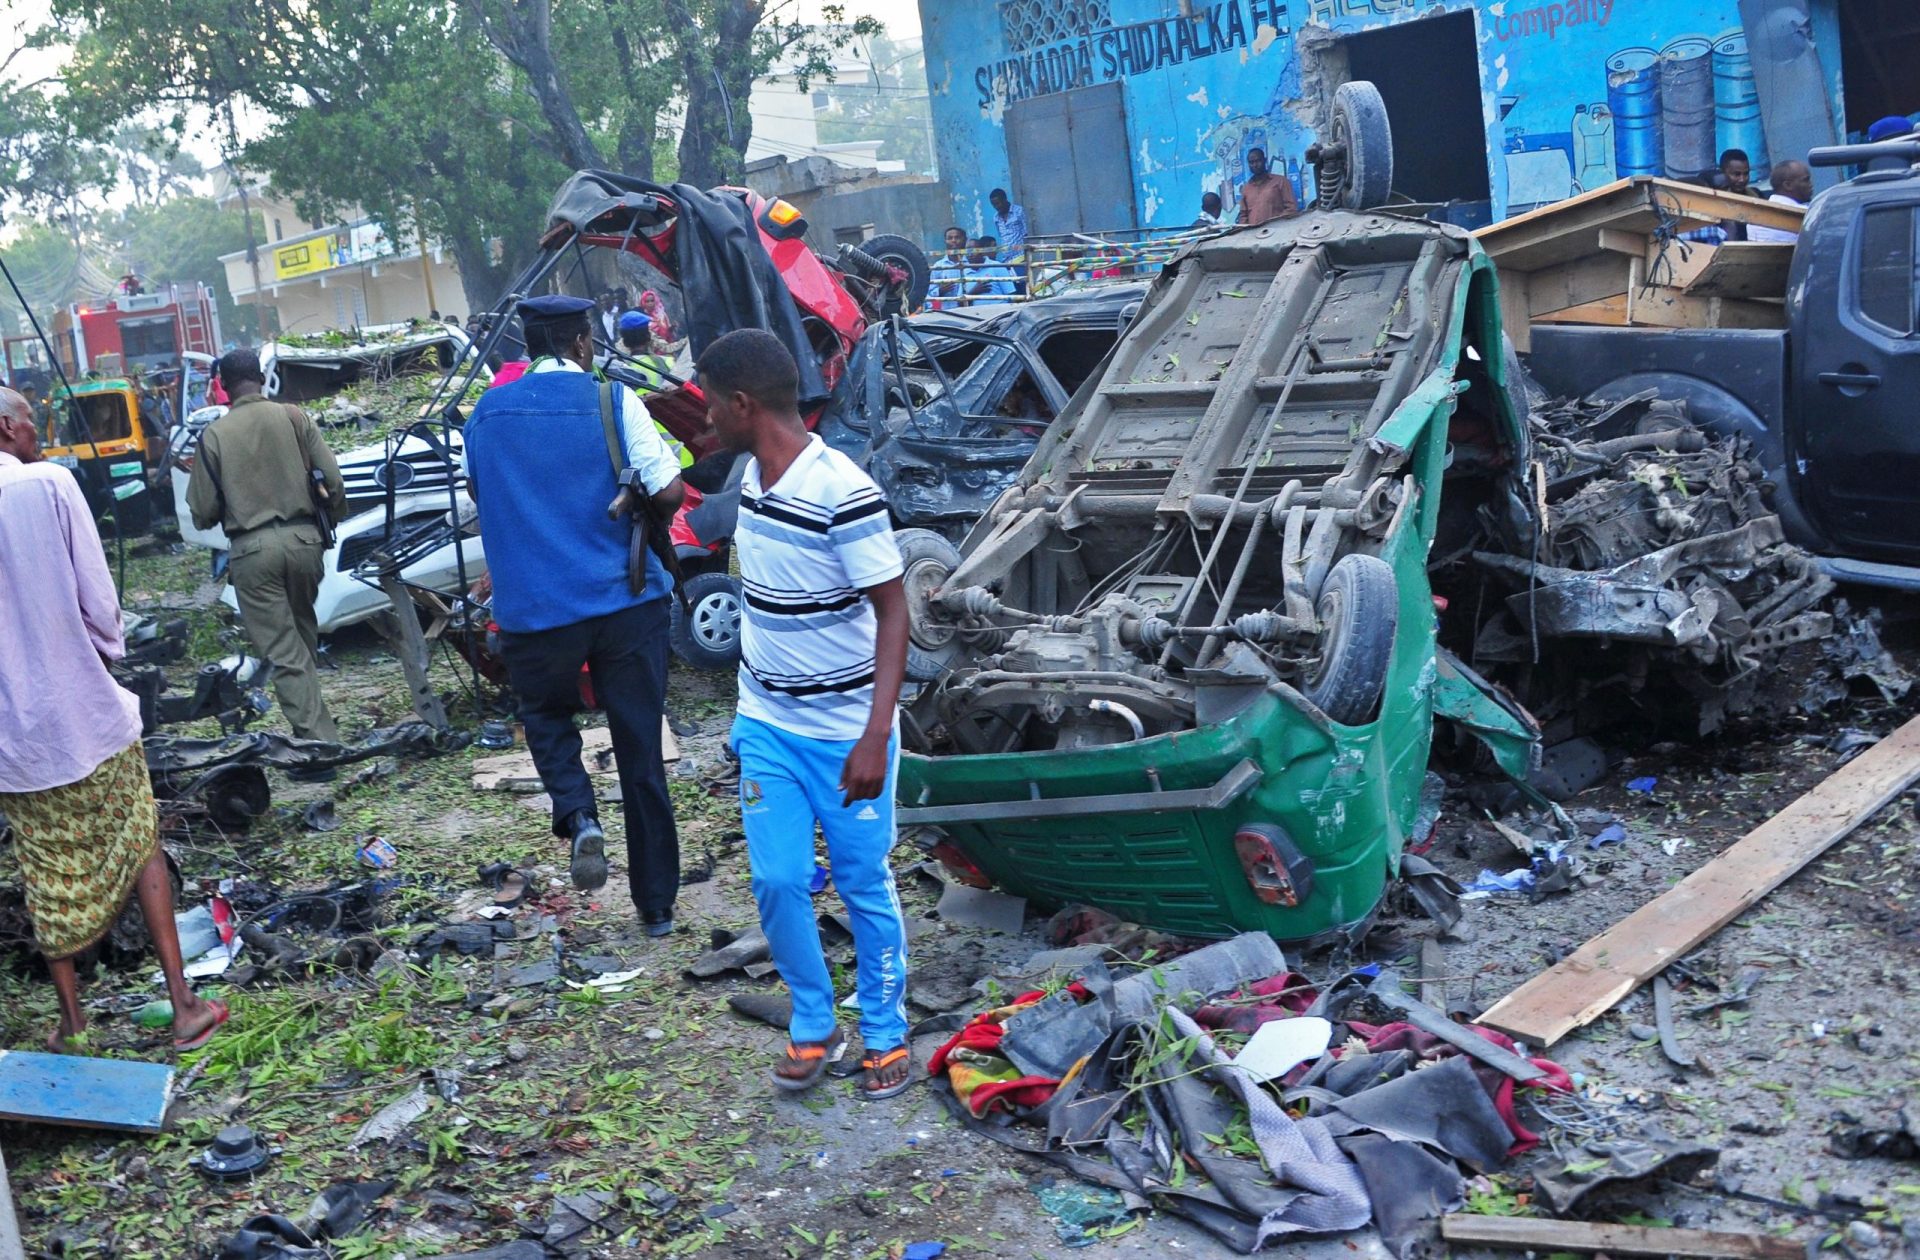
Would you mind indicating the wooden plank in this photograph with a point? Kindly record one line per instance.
(515, 772)
(87, 1092)
(1588, 982)
(1611, 312)
(1620, 242)
(1738, 269)
(1570, 229)
(1514, 301)
(1661, 307)
(1577, 283)
(1538, 1234)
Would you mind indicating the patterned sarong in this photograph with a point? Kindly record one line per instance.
(81, 846)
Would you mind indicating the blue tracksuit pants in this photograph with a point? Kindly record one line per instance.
(787, 783)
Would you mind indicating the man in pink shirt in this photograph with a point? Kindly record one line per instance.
(73, 775)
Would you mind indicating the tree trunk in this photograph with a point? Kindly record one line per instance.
(719, 69)
(522, 31)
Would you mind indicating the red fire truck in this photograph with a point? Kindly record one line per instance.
(147, 328)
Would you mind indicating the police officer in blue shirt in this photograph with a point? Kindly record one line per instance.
(540, 467)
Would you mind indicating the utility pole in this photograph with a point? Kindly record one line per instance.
(246, 213)
(426, 261)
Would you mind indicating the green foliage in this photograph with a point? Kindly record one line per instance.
(48, 149)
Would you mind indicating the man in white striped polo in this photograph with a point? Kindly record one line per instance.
(823, 653)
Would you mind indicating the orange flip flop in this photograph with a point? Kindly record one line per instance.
(816, 1055)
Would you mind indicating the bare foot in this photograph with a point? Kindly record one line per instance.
(194, 1018)
(61, 1039)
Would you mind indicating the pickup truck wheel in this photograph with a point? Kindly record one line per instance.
(706, 634)
(1360, 123)
(1360, 607)
(910, 258)
(932, 642)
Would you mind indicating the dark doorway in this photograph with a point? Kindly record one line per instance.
(1428, 73)
(1879, 53)
(1071, 167)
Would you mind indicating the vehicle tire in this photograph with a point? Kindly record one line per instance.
(933, 644)
(909, 257)
(706, 633)
(1360, 124)
(1359, 606)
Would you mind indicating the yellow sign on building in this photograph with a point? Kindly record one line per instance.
(303, 258)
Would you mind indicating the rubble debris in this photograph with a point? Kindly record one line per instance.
(1081, 1213)
(1282, 1045)
(1657, 539)
(1663, 1024)
(1377, 1139)
(393, 1119)
(1601, 1167)
(1586, 984)
(981, 908)
(1544, 1236)
(1899, 1140)
(336, 1212)
(748, 948)
(94, 1093)
(235, 1153)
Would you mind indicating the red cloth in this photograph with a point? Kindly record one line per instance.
(510, 372)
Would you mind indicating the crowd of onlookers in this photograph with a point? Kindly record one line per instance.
(988, 268)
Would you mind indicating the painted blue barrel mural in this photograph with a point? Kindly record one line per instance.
(1687, 118)
(1736, 103)
(1633, 97)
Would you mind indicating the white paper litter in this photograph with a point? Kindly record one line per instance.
(1278, 1047)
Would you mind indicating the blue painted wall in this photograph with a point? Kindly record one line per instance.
(1574, 93)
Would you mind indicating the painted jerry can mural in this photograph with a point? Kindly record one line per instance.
(1498, 107)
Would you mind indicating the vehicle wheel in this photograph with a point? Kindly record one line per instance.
(909, 257)
(1359, 606)
(1360, 125)
(706, 633)
(933, 644)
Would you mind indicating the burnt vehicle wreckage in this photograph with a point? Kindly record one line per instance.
(1187, 666)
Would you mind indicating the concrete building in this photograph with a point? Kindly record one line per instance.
(1110, 114)
(336, 275)
(849, 204)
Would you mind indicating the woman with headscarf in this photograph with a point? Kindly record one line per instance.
(656, 310)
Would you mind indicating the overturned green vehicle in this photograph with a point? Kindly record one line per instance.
(1185, 669)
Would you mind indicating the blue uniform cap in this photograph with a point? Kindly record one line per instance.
(1890, 128)
(553, 306)
(634, 321)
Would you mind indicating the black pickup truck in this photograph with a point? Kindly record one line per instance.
(1832, 403)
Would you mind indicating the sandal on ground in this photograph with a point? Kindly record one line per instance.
(812, 1056)
(878, 1066)
(205, 1035)
(510, 885)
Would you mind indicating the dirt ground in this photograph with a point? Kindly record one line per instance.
(655, 1096)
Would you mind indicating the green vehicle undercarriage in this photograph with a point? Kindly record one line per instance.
(1190, 669)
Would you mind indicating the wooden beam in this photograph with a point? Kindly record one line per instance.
(1621, 242)
(1661, 307)
(1576, 283)
(1538, 1234)
(1737, 269)
(1514, 304)
(1611, 312)
(1588, 982)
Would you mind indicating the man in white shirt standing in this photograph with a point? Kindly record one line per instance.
(823, 650)
(1792, 186)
